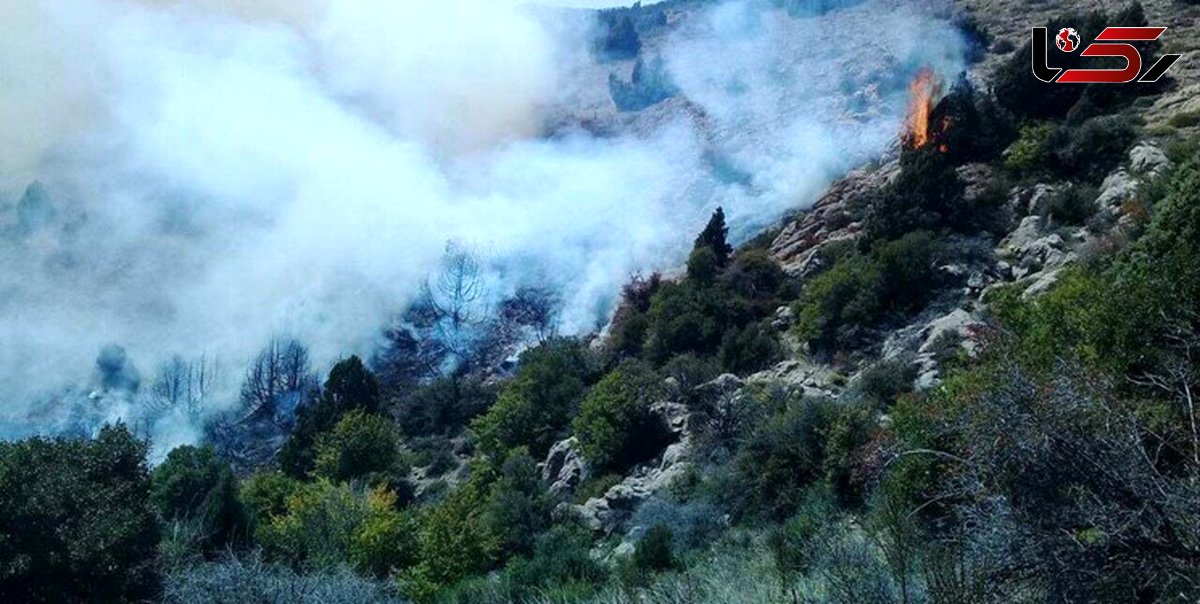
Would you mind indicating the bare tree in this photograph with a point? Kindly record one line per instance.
(534, 308)
(179, 382)
(457, 298)
(282, 368)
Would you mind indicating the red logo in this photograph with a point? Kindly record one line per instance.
(1068, 40)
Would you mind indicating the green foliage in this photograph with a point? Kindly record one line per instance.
(76, 523)
(1073, 205)
(536, 406)
(445, 405)
(360, 446)
(715, 237)
(615, 425)
(794, 544)
(350, 387)
(1031, 152)
(809, 443)
(265, 495)
(862, 290)
(327, 527)
(882, 383)
(684, 318)
(455, 541)
(193, 486)
(749, 349)
(703, 266)
(755, 277)
(518, 508)
(1185, 119)
(653, 553)
(927, 195)
(1094, 148)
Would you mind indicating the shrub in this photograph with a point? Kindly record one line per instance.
(880, 384)
(794, 544)
(1094, 148)
(444, 406)
(690, 371)
(536, 406)
(250, 579)
(692, 525)
(615, 425)
(682, 319)
(1185, 119)
(1031, 152)
(517, 509)
(328, 527)
(895, 279)
(435, 454)
(1073, 205)
(265, 496)
(351, 386)
(360, 446)
(193, 486)
(455, 541)
(927, 195)
(749, 349)
(653, 553)
(76, 523)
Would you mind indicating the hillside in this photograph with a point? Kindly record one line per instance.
(954, 362)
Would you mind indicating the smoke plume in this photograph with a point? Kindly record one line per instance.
(210, 173)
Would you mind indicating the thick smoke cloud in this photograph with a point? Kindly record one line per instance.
(213, 172)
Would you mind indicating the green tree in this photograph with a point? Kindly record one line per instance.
(615, 425)
(194, 486)
(351, 386)
(360, 446)
(518, 509)
(76, 523)
(715, 237)
(536, 406)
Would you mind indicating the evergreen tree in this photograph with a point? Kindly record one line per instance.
(350, 387)
(714, 236)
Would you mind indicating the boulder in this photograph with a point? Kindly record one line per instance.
(1117, 188)
(565, 468)
(1146, 159)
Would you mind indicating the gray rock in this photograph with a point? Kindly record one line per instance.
(1147, 159)
(1117, 188)
(565, 468)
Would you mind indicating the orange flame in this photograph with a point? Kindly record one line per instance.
(924, 91)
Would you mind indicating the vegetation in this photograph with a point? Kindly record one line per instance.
(1057, 461)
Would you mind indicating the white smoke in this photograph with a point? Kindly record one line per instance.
(220, 171)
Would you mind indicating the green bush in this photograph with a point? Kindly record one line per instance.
(265, 495)
(1030, 154)
(536, 406)
(862, 290)
(882, 383)
(351, 386)
(1185, 119)
(927, 195)
(360, 446)
(615, 425)
(749, 349)
(193, 486)
(1073, 205)
(327, 527)
(444, 406)
(812, 443)
(653, 553)
(1094, 148)
(76, 522)
(518, 509)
